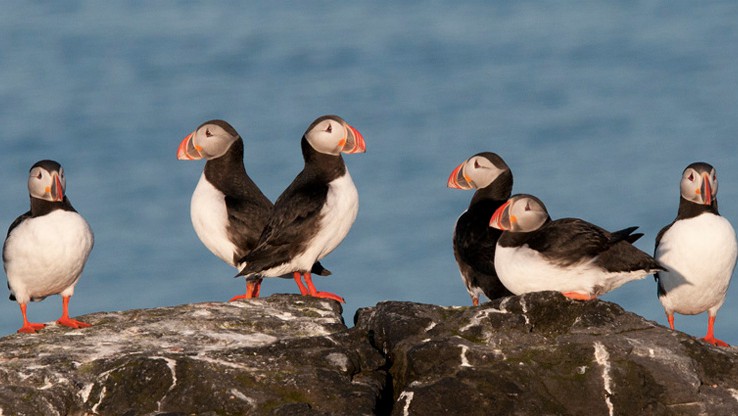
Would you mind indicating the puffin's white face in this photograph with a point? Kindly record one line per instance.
(699, 183)
(521, 213)
(475, 172)
(46, 185)
(332, 135)
(210, 141)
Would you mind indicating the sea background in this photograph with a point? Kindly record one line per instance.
(596, 106)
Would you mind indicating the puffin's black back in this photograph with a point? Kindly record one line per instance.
(296, 215)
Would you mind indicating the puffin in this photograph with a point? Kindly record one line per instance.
(474, 241)
(314, 214)
(568, 255)
(46, 248)
(698, 250)
(227, 209)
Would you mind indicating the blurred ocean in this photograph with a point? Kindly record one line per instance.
(596, 106)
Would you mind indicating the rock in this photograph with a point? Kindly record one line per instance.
(280, 355)
(542, 354)
(539, 354)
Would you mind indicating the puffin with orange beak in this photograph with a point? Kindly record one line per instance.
(698, 250)
(474, 240)
(227, 209)
(46, 248)
(315, 213)
(568, 255)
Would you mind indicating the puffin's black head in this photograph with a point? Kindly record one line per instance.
(332, 135)
(46, 181)
(210, 140)
(699, 183)
(479, 171)
(521, 213)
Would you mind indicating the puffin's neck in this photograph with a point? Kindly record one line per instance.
(321, 165)
(228, 174)
(499, 190)
(689, 209)
(41, 207)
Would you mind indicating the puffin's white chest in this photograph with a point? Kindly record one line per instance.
(210, 220)
(523, 270)
(700, 255)
(46, 255)
(337, 216)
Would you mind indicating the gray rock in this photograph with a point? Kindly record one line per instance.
(538, 354)
(280, 355)
(542, 354)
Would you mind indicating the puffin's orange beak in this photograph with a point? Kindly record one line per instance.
(354, 141)
(57, 190)
(187, 149)
(501, 218)
(457, 179)
(706, 189)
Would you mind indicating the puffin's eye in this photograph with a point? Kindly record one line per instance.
(527, 206)
(476, 164)
(208, 133)
(329, 129)
(40, 175)
(691, 177)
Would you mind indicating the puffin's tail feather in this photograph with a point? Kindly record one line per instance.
(625, 234)
(319, 270)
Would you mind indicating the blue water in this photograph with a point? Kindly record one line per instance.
(596, 106)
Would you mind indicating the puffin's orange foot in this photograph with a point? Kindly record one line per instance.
(246, 295)
(714, 341)
(578, 296)
(238, 297)
(31, 328)
(252, 291)
(327, 295)
(475, 301)
(72, 323)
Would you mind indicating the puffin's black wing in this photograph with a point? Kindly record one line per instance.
(659, 236)
(15, 223)
(246, 221)
(294, 220)
(475, 242)
(569, 240)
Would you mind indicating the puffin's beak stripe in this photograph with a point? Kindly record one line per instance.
(706, 190)
(187, 149)
(57, 191)
(468, 180)
(452, 181)
(496, 220)
(458, 179)
(354, 143)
